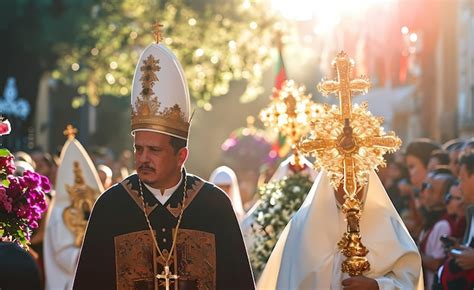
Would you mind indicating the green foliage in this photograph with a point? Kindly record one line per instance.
(216, 44)
(279, 202)
(4, 152)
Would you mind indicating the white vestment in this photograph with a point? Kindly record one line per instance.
(60, 252)
(306, 255)
(282, 171)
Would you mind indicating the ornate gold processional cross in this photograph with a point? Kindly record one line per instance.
(349, 143)
(289, 114)
(167, 276)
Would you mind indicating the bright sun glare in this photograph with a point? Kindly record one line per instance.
(325, 11)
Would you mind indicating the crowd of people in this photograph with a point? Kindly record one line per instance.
(431, 188)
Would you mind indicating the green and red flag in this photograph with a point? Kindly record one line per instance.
(280, 71)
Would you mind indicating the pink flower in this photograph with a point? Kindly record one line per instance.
(22, 198)
(5, 200)
(5, 127)
(7, 164)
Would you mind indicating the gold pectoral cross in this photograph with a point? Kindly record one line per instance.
(167, 276)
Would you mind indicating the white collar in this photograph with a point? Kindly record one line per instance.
(163, 198)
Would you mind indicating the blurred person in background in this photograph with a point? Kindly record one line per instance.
(105, 175)
(458, 272)
(455, 211)
(435, 224)
(438, 159)
(224, 177)
(454, 148)
(395, 173)
(417, 156)
(468, 146)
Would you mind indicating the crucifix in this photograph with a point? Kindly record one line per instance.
(358, 147)
(157, 31)
(167, 276)
(70, 131)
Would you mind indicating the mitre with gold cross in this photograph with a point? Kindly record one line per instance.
(160, 96)
(78, 186)
(348, 142)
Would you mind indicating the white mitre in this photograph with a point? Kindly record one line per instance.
(306, 255)
(77, 186)
(160, 95)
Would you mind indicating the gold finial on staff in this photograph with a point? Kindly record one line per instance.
(344, 86)
(348, 142)
(70, 132)
(157, 31)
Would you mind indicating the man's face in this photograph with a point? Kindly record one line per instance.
(466, 183)
(417, 170)
(156, 162)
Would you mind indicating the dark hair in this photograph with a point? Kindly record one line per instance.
(178, 143)
(467, 159)
(445, 174)
(421, 149)
(453, 145)
(441, 155)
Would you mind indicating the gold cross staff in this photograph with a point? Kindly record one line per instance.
(349, 143)
(167, 276)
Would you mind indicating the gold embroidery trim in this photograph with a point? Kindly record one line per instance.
(135, 195)
(137, 262)
(190, 195)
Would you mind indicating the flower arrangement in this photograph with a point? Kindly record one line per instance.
(22, 198)
(249, 149)
(279, 202)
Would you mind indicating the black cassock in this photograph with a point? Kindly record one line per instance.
(118, 250)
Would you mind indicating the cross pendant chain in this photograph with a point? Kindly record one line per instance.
(167, 276)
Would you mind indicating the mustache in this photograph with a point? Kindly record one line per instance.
(145, 166)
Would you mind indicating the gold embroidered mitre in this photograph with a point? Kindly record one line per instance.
(77, 187)
(160, 95)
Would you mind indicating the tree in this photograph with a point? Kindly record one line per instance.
(216, 42)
